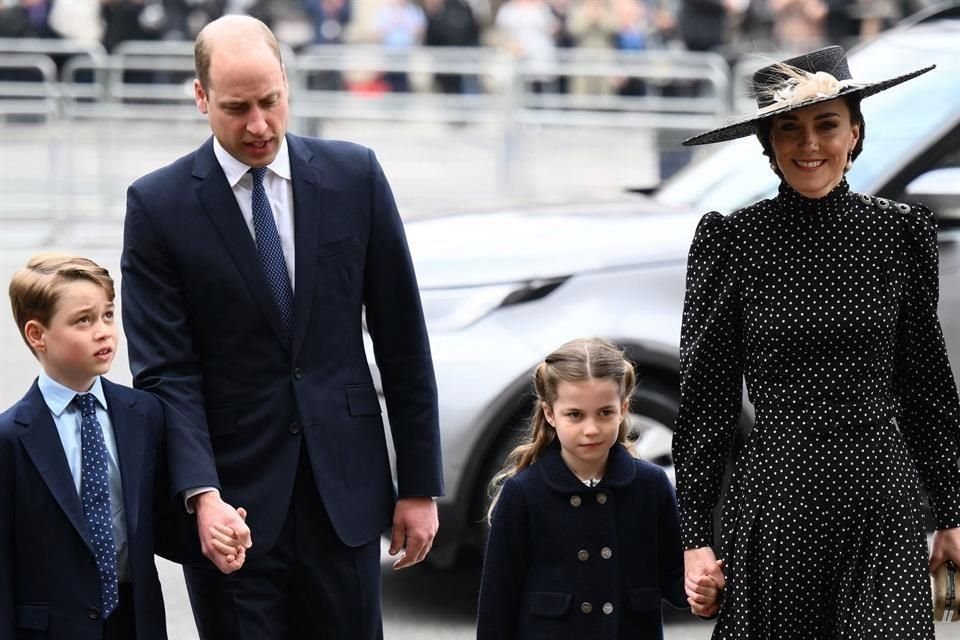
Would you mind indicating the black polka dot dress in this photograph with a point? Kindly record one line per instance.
(827, 308)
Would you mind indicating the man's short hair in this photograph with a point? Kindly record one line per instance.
(35, 290)
(203, 51)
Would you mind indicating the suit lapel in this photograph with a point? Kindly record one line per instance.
(221, 205)
(43, 445)
(129, 432)
(306, 180)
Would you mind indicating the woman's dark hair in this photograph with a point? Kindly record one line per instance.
(765, 125)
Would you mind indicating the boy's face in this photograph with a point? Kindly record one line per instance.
(80, 341)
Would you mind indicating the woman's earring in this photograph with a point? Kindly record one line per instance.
(849, 162)
(773, 166)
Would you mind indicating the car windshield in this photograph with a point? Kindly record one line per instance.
(737, 173)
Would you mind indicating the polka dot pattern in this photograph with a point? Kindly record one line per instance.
(270, 250)
(95, 497)
(828, 309)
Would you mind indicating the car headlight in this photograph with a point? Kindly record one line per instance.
(457, 308)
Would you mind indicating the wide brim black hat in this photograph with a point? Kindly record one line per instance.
(773, 84)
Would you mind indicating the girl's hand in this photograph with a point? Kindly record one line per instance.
(704, 581)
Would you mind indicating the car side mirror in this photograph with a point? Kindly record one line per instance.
(939, 190)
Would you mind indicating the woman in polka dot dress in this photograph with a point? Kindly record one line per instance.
(825, 301)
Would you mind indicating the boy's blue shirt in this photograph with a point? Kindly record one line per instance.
(66, 417)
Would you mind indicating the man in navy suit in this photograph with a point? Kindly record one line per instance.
(250, 267)
(77, 461)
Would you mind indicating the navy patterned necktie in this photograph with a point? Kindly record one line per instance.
(270, 249)
(95, 497)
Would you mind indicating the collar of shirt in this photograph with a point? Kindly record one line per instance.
(234, 170)
(59, 397)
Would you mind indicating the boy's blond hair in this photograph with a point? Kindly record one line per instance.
(35, 289)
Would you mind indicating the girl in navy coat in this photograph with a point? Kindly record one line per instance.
(584, 539)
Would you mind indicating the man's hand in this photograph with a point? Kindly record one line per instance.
(703, 581)
(946, 546)
(216, 521)
(415, 524)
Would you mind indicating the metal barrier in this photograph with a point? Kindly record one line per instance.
(150, 79)
(672, 90)
(28, 84)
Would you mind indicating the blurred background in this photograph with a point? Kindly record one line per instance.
(473, 107)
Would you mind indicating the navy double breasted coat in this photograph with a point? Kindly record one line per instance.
(566, 561)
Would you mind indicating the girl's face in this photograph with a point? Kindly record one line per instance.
(587, 416)
(811, 146)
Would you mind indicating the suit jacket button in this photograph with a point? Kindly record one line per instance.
(602, 498)
(583, 555)
(297, 373)
(294, 428)
(608, 608)
(606, 553)
(93, 613)
(575, 501)
(586, 607)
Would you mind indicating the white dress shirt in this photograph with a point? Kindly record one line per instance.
(66, 417)
(279, 187)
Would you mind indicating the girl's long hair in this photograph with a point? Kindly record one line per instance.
(575, 361)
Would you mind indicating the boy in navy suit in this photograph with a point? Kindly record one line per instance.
(77, 461)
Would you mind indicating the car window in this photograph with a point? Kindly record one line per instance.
(908, 120)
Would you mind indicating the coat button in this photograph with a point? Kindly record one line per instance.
(606, 553)
(294, 428)
(602, 498)
(93, 613)
(298, 373)
(608, 608)
(575, 501)
(583, 555)
(586, 607)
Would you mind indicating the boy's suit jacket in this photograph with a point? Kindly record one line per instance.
(49, 585)
(206, 336)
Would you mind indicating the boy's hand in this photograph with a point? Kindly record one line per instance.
(212, 511)
(227, 543)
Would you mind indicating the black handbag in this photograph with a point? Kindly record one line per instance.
(946, 593)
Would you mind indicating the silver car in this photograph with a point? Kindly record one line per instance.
(501, 290)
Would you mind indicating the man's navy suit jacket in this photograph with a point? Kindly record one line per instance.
(49, 585)
(206, 336)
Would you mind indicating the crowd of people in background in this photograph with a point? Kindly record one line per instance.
(534, 29)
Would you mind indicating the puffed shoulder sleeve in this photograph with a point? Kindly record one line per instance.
(930, 419)
(711, 373)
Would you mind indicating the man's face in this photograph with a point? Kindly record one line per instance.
(246, 103)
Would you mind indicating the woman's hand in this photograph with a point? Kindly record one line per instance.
(703, 581)
(946, 546)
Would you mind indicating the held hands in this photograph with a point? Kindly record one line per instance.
(224, 534)
(415, 524)
(704, 581)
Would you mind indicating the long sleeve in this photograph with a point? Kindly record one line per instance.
(401, 346)
(711, 374)
(159, 338)
(504, 566)
(7, 551)
(930, 420)
(671, 556)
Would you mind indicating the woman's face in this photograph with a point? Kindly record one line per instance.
(811, 146)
